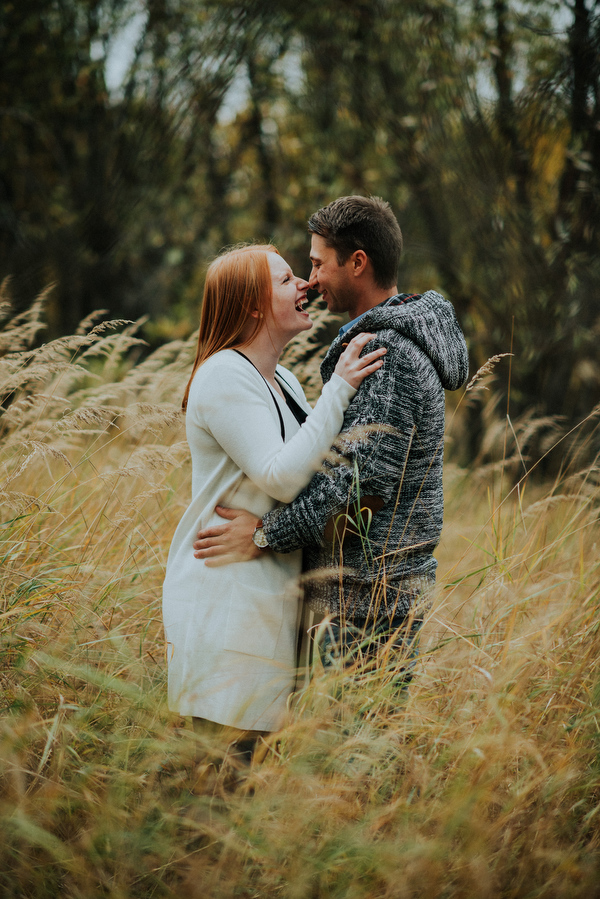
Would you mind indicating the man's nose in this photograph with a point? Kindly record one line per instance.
(313, 280)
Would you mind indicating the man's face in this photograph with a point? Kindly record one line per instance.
(334, 282)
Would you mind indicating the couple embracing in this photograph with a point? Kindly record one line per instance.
(271, 498)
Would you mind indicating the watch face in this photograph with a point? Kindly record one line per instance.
(259, 538)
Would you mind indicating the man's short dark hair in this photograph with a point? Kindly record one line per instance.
(362, 223)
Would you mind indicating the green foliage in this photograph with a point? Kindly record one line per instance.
(477, 120)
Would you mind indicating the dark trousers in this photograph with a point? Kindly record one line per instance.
(381, 644)
(242, 743)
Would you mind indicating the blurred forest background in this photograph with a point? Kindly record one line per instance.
(139, 137)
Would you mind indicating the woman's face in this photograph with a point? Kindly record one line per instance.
(287, 317)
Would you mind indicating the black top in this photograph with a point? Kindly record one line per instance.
(293, 405)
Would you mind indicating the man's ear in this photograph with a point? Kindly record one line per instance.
(359, 261)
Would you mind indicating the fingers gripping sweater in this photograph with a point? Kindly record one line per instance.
(391, 446)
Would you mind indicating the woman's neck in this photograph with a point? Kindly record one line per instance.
(263, 353)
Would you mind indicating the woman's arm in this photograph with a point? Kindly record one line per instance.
(231, 401)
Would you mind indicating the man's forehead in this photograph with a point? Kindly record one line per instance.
(318, 247)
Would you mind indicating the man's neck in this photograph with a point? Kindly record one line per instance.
(370, 299)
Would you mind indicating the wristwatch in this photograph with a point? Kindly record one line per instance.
(259, 538)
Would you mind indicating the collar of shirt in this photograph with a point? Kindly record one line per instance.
(347, 327)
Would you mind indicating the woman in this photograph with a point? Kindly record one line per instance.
(231, 631)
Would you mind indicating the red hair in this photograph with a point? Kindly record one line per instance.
(237, 284)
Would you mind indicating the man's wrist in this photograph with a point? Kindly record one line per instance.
(259, 538)
(281, 530)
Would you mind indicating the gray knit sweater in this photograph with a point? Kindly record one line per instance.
(391, 446)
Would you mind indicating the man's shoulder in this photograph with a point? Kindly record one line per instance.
(407, 371)
(401, 350)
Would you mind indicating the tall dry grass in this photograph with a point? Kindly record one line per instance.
(482, 782)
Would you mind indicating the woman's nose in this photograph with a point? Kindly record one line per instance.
(301, 284)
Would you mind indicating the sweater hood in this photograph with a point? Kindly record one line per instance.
(429, 322)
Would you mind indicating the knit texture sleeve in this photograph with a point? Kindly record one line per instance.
(235, 406)
(373, 448)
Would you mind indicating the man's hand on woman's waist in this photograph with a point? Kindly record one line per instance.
(230, 541)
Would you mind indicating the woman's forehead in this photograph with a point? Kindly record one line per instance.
(278, 265)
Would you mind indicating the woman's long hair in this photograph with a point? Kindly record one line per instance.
(237, 283)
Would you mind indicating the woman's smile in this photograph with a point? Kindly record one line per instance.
(288, 290)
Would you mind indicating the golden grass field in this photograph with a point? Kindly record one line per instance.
(484, 782)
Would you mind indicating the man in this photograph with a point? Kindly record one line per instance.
(370, 520)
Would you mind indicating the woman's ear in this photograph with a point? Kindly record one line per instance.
(256, 314)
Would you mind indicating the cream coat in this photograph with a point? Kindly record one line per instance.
(231, 631)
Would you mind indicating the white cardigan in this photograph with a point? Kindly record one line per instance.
(231, 631)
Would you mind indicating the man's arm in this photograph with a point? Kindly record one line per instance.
(378, 430)
(372, 450)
